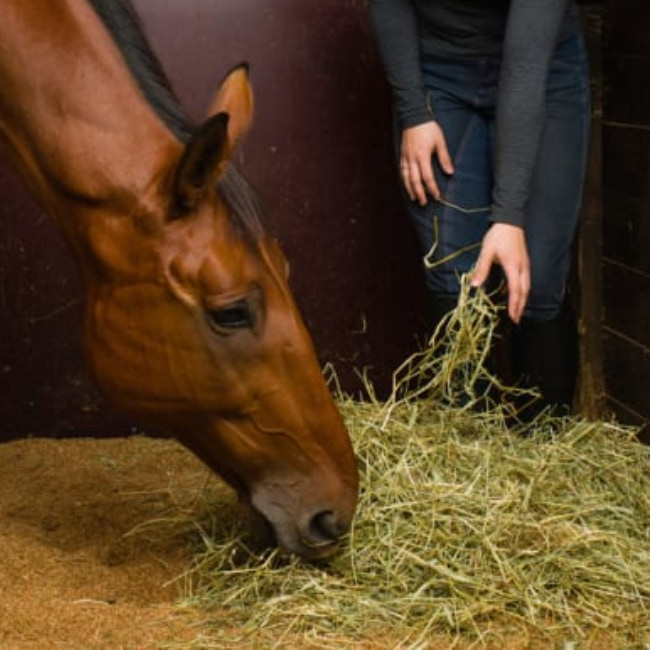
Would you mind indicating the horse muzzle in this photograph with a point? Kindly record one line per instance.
(314, 533)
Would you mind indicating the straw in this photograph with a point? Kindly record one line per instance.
(467, 534)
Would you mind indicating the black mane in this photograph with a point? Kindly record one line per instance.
(124, 25)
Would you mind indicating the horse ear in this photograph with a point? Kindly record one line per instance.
(235, 98)
(208, 151)
(203, 161)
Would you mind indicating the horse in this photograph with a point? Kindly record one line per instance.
(190, 325)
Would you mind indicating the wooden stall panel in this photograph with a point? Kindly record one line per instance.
(628, 370)
(626, 207)
(626, 26)
(626, 196)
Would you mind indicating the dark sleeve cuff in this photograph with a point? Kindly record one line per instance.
(414, 109)
(512, 217)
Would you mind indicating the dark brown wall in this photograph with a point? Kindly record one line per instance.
(587, 277)
(626, 207)
(320, 154)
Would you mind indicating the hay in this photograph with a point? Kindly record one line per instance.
(466, 531)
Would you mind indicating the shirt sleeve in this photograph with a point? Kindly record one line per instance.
(395, 27)
(531, 36)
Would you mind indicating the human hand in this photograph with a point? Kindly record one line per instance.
(419, 144)
(505, 244)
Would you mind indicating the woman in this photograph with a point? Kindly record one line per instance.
(491, 104)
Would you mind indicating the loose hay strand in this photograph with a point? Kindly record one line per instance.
(465, 530)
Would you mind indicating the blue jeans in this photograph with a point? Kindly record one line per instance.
(463, 93)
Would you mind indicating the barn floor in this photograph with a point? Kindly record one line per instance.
(81, 569)
(69, 578)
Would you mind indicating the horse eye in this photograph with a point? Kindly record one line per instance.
(233, 317)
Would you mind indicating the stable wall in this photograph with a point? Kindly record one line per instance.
(626, 207)
(320, 154)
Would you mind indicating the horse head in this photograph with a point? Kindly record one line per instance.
(191, 326)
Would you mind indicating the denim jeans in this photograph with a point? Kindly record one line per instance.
(463, 94)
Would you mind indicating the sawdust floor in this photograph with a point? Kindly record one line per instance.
(71, 576)
(87, 562)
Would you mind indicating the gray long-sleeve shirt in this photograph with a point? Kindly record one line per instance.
(523, 33)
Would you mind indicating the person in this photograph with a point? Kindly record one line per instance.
(491, 113)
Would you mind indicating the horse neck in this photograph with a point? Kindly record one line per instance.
(72, 118)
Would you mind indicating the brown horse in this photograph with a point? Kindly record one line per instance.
(189, 321)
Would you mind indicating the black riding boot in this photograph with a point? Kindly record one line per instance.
(437, 307)
(545, 357)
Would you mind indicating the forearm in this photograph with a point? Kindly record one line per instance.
(531, 37)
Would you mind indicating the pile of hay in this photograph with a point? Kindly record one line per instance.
(467, 533)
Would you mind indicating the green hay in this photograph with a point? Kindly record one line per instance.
(465, 530)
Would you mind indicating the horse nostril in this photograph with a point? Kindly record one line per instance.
(326, 526)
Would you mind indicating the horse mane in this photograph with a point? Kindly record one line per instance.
(124, 24)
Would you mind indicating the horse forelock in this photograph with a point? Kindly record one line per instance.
(123, 23)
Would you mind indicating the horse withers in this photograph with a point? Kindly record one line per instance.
(190, 324)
